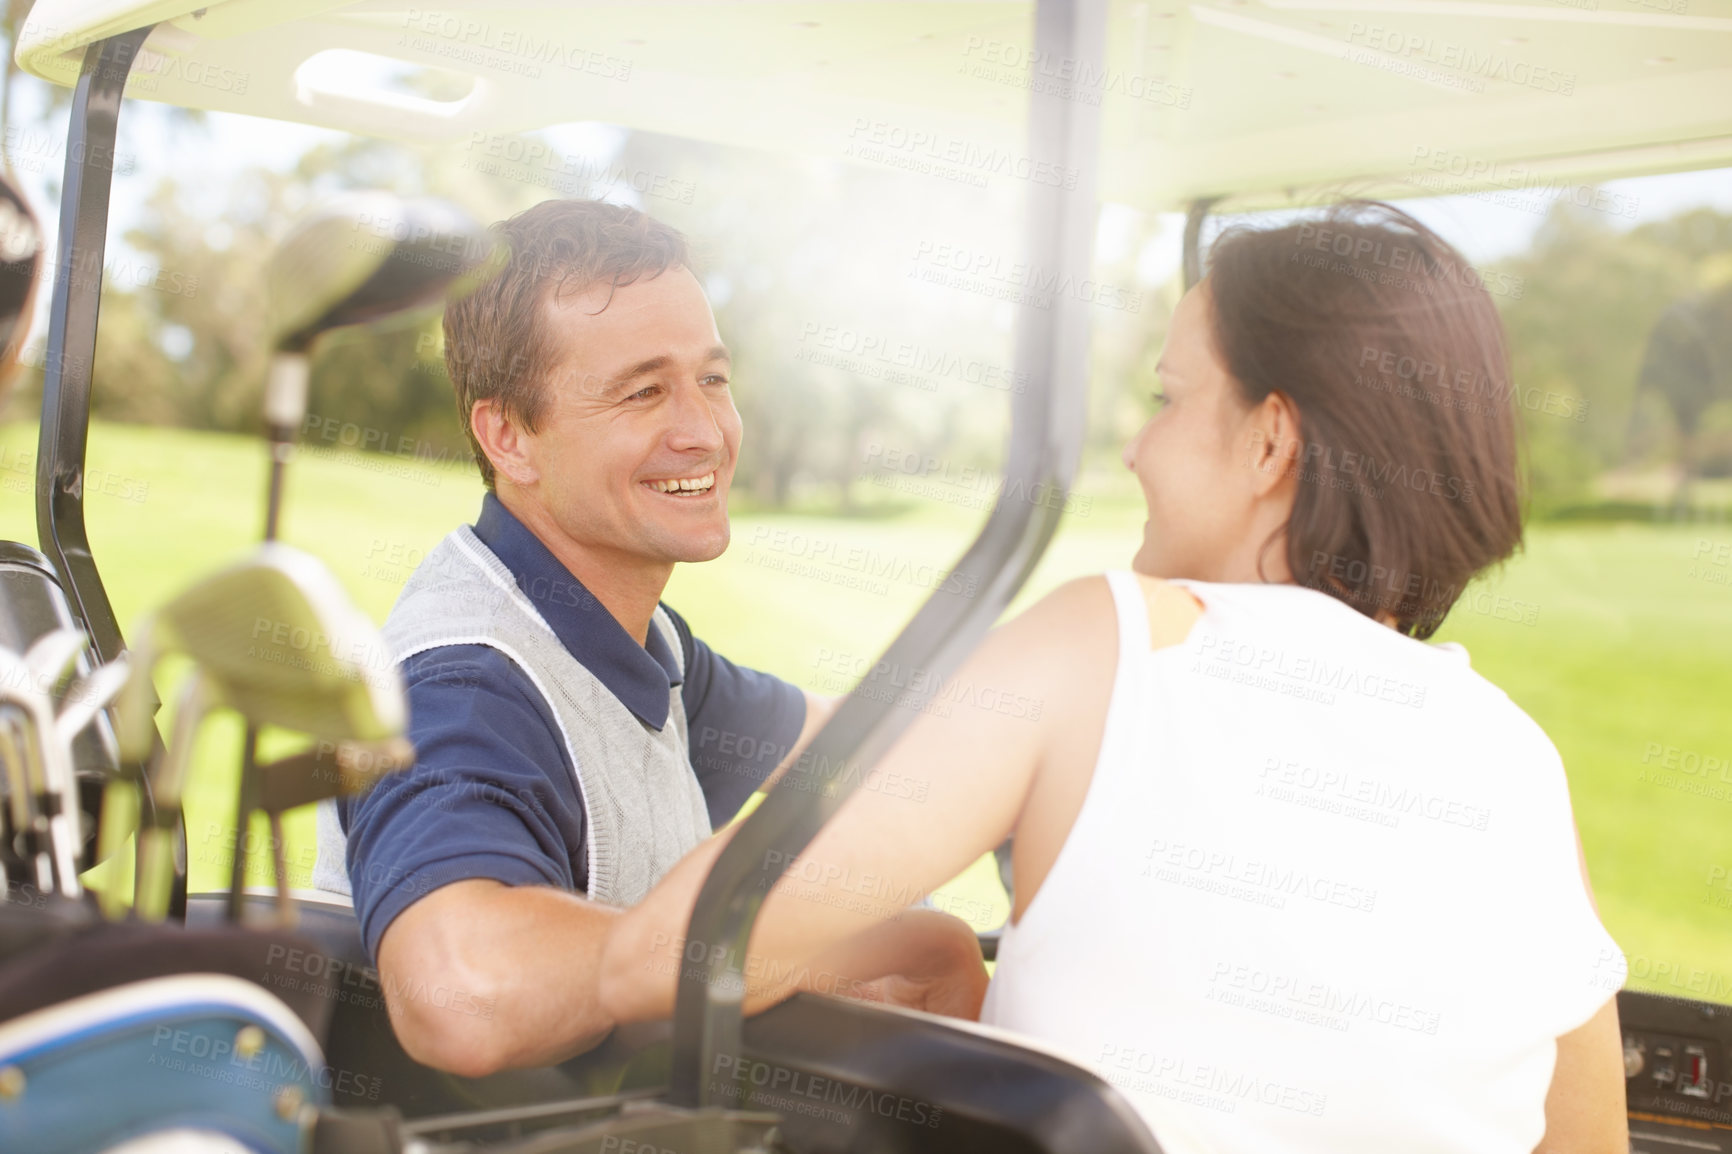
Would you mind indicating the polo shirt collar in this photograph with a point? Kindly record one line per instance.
(638, 675)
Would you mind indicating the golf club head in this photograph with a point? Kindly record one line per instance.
(89, 696)
(38, 758)
(279, 641)
(52, 655)
(366, 255)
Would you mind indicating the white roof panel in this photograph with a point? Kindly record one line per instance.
(1262, 101)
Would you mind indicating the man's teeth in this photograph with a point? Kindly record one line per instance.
(685, 485)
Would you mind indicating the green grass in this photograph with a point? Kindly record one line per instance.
(1629, 650)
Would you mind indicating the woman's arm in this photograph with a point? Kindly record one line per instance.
(1585, 1110)
(1585, 1107)
(950, 789)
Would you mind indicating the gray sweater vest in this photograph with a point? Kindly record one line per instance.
(641, 801)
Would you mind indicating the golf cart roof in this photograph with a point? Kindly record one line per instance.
(1259, 102)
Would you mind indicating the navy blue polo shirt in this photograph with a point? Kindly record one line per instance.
(493, 793)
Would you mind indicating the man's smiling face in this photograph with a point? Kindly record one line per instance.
(636, 446)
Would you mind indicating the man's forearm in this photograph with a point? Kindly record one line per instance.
(526, 961)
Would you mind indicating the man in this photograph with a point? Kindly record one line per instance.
(552, 697)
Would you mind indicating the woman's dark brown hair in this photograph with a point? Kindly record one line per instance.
(1387, 342)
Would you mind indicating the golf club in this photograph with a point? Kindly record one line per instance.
(37, 749)
(358, 258)
(275, 638)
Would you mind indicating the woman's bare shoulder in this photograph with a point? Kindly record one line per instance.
(1081, 613)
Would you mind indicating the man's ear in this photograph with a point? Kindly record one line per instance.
(1276, 446)
(504, 442)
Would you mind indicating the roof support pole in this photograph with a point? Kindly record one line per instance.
(1047, 424)
(70, 362)
(71, 358)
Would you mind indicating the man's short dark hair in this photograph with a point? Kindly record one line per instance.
(496, 344)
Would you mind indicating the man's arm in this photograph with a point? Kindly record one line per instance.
(464, 870)
(818, 711)
(745, 726)
(481, 977)
(970, 770)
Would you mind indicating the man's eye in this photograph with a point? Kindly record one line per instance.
(644, 393)
(716, 379)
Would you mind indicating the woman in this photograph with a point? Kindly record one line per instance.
(1289, 876)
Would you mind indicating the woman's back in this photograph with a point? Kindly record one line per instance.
(1321, 894)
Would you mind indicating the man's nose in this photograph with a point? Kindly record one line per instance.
(693, 421)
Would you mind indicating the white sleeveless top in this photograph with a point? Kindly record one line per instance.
(1322, 894)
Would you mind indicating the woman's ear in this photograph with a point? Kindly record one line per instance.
(1272, 430)
(503, 441)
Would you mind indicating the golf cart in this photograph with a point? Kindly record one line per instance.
(1142, 103)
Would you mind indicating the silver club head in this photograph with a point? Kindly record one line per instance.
(278, 640)
(39, 759)
(89, 697)
(365, 255)
(51, 656)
